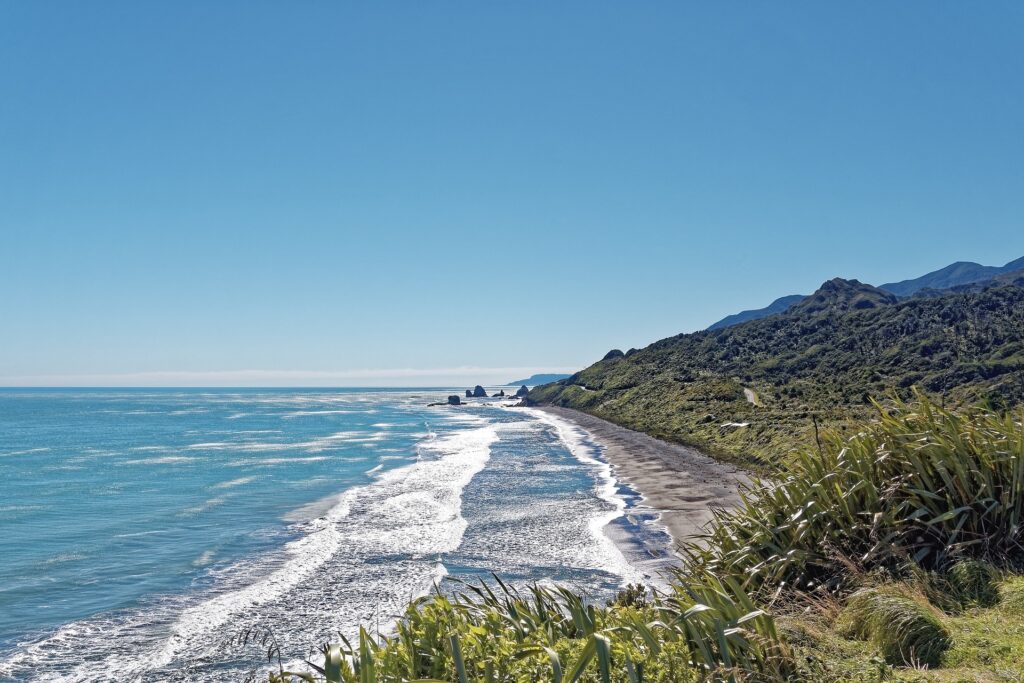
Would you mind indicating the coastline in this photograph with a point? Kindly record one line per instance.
(680, 483)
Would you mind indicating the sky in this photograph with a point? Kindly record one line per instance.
(342, 194)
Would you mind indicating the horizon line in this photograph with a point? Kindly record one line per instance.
(255, 379)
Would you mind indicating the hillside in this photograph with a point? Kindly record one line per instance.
(953, 276)
(751, 393)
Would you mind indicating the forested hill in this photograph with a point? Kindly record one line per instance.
(752, 392)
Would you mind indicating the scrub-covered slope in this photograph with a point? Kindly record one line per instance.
(754, 391)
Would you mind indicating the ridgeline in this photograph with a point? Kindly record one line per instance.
(753, 392)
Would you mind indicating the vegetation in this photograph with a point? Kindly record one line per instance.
(811, 369)
(904, 629)
(887, 555)
(920, 485)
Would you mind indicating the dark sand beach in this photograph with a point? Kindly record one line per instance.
(680, 482)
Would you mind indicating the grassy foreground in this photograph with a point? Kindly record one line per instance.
(892, 554)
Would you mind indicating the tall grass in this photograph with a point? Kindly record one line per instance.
(905, 628)
(709, 631)
(922, 485)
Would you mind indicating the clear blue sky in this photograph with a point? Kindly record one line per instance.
(383, 193)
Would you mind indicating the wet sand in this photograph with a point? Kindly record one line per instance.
(680, 482)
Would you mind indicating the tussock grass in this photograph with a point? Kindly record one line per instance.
(974, 583)
(905, 628)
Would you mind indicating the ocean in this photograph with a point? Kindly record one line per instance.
(142, 530)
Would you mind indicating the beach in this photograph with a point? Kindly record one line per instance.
(683, 484)
(318, 511)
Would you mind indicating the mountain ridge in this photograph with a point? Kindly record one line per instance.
(955, 274)
(752, 393)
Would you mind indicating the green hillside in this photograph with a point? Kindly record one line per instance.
(753, 392)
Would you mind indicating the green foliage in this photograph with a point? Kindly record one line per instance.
(974, 583)
(805, 366)
(988, 641)
(633, 595)
(905, 628)
(705, 631)
(921, 485)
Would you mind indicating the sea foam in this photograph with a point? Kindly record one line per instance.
(410, 514)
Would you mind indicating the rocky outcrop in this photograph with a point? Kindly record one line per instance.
(478, 392)
(614, 353)
(454, 400)
(523, 391)
(469, 393)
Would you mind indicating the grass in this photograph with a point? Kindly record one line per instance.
(988, 642)
(887, 555)
(984, 643)
(904, 628)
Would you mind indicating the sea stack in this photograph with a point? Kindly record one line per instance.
(478, 392)
(523, 391)
(454, 400)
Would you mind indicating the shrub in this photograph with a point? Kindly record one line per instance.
(921, 484)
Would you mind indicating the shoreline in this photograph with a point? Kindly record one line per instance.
(680, 483)
(634, 531)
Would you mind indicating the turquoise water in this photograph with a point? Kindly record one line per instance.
(140, 530)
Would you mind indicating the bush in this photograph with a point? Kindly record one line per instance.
(921, 485)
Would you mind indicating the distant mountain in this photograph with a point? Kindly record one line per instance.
(536, 380)
(1014, 277)
(777, 306)
(952, 276)
(753, 392)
